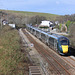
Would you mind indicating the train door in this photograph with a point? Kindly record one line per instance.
(33, 31)
(55, 44)
(43, 36)
(47, 38)
(51, 42)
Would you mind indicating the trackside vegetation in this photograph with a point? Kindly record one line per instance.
(72, 34)
(11, 57)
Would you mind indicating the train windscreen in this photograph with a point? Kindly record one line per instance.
(64, 42)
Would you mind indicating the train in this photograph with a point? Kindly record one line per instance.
(57, 42)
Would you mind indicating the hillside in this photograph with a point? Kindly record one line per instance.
(31, 14)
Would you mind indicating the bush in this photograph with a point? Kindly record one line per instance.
(63, 29)
(60, 26)
(68, 24)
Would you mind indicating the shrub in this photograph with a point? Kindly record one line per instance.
(63, 29)
(60, 26)
(68, 24)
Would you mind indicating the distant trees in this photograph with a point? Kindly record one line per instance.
(60, 19)
(65, 18)
(72, 34)
(70, 17)
(20, 20)
(73, 17)
(37, 19)
(72, 29)
(2, 16)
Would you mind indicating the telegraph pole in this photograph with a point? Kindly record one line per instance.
(1, 23)
(1, 15)
(1, 19)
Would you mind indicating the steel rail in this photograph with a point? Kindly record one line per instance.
(69, 61)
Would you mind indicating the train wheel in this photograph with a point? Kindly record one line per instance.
(46, 43)
(58, 51)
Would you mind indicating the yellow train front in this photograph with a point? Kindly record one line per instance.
(63, 45)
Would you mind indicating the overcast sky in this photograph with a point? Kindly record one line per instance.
(60, 7)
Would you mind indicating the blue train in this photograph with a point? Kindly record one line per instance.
(57, 42)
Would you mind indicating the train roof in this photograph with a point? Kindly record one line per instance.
(36, 29)
(53, 35)
(56, 36)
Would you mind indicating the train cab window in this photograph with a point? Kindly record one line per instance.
(33, 30)
(64, 42)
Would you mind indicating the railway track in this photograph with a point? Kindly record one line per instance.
(56, 64)
(70, 60)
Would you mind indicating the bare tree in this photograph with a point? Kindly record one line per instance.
(37, 19)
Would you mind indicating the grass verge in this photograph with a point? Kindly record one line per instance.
(11, 57)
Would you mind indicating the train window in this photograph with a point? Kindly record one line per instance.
(64, 42)
(51, 40)
(37, 32)
(43, 36)
(30, 28)
(33, 30)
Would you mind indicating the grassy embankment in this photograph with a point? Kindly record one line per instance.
(11, 57)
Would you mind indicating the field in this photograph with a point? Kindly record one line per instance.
(31, 14)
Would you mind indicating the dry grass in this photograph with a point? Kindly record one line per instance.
(10, 53)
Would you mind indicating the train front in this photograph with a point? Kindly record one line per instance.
(63, 45)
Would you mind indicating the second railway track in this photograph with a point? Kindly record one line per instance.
(70, 60)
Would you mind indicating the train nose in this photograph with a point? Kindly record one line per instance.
(65, 48)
